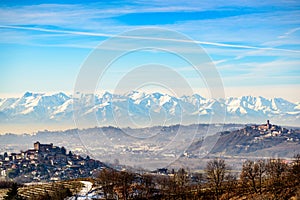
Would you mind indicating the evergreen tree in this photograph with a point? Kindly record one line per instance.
(12, 193)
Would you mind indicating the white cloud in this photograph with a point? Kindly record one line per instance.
(285, 35)
(82, 33)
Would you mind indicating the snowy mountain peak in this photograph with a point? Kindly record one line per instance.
(31, 94)
(135, 95)
(197, 96)
(27, 94)
(37, 107)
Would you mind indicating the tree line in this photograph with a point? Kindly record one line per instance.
(258, 179)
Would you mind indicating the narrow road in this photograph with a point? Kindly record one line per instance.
(83, 194)
(87, 186)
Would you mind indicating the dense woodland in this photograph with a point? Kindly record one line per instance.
(259, 179)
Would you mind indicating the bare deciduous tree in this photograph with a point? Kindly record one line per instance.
(216, 170)
(124, 183)
(230, 184)
(261, 173)
(249, 174)
(107, 180)
(148, 185)
(253, 173)
(181, 180)
(295, 169)
(276, 170)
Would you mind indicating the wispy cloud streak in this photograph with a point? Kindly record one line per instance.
(81, 33)
(285, 35)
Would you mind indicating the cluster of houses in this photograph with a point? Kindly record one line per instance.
(270, 129)
(47, 162)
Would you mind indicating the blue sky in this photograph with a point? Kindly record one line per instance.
(254, 44)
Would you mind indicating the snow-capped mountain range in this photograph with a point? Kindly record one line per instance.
(138, 109)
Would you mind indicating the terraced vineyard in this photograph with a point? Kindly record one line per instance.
(41, 190)
(2, 193)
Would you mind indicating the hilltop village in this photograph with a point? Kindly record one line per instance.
(46, 162)
(270, 131)
(253, 140)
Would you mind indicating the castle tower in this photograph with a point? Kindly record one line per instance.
(268, 124)
(37, 146)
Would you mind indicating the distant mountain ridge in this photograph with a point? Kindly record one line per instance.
(146, 109)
